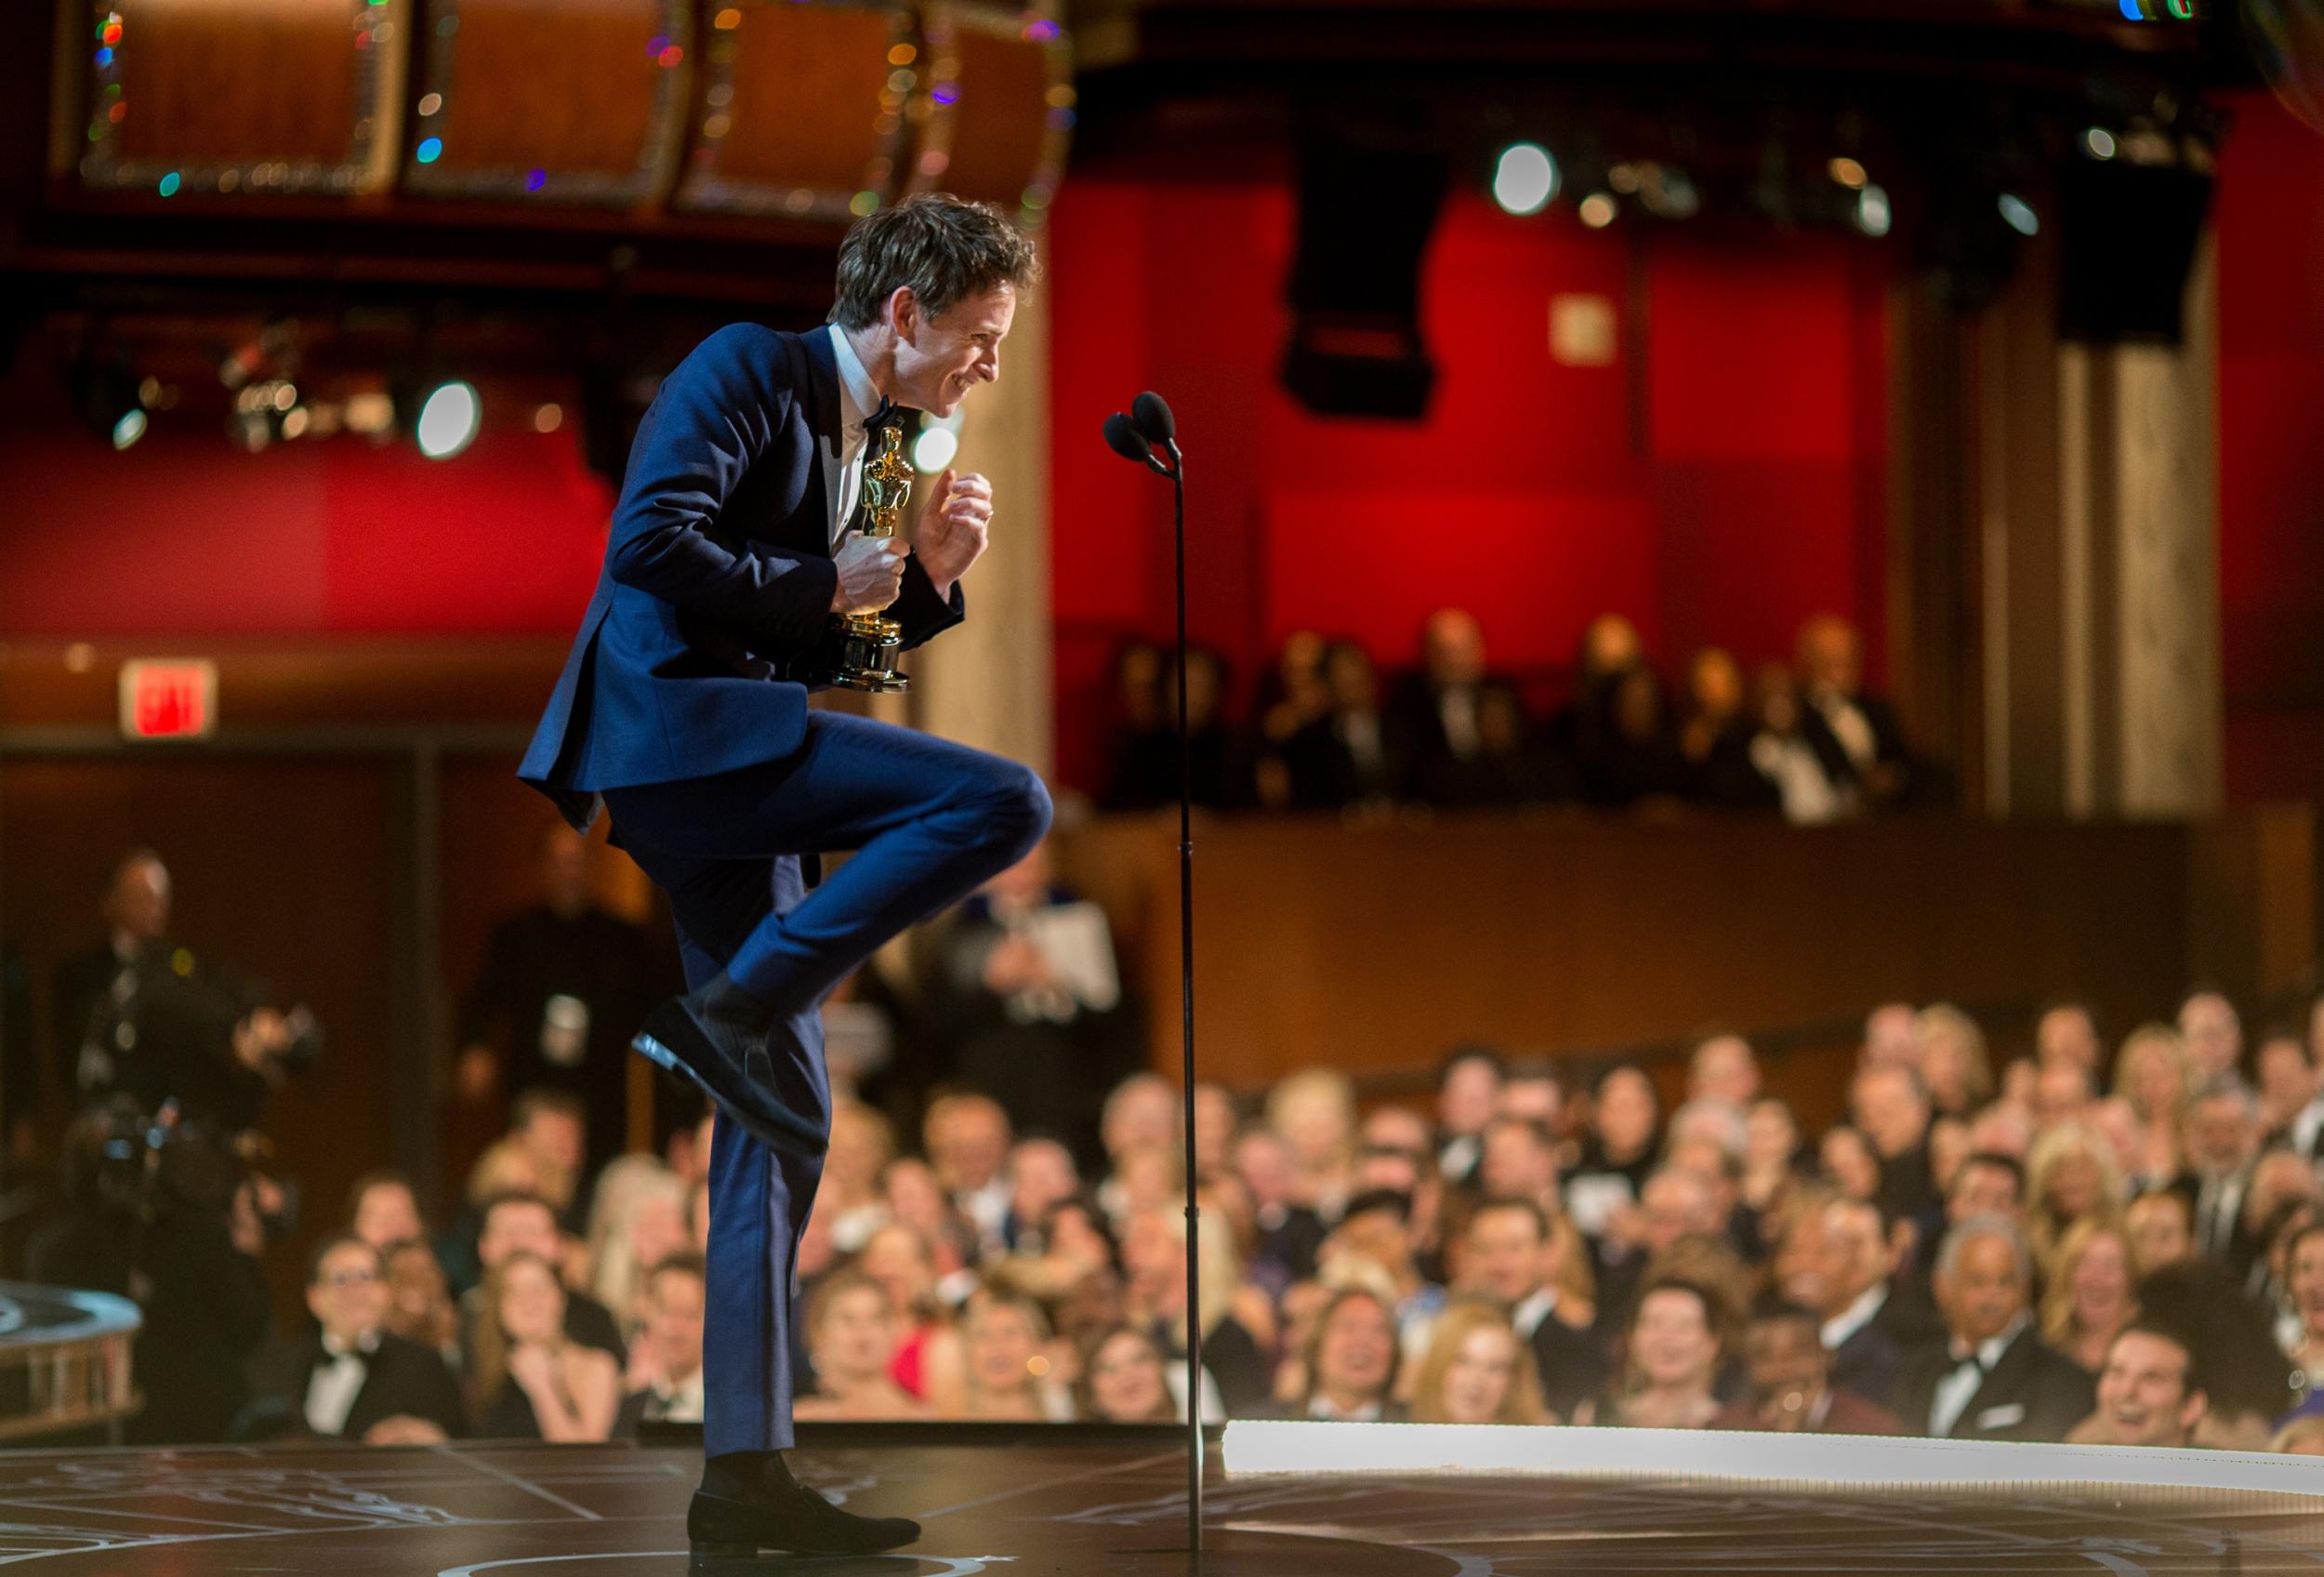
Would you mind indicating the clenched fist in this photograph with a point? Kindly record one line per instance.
(871, 574)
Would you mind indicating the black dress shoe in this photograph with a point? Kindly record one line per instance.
(706, 1036)
(789, 1516)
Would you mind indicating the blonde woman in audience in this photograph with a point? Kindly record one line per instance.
(1477, 1370)
(1677, 1339)
(851, 1336)
(1007, 1374)
(1124, 1379)
(529, 1381)
(2070, 1176)
(1315, 1111)
(1954, 1064)
(862, 1143)
(637, 1220)
(2091, 1292)
(2153, 1074)
(928, 1357)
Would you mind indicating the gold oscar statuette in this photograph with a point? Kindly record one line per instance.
(859, 650)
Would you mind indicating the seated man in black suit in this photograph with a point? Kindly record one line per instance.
(1836, 1261)
(1853, 732)
(1507, 1256)
(670, 1345)
(1989, 1378)
(350, 1379)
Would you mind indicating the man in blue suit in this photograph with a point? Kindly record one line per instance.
(682, 711)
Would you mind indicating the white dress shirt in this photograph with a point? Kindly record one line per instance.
(332, 1388)
(858, 399)
(1535, 1307)
(1854, 1317)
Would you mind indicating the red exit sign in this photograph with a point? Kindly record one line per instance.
(169, 698)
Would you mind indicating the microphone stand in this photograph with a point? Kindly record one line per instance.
(1186, 992)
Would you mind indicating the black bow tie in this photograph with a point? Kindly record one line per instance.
(884, 416)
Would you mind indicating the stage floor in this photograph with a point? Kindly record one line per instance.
(1080, 1503)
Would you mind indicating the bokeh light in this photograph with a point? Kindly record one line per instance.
(1525, 178)
(448, 420)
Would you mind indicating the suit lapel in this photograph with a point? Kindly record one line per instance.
(823, 412)
(2005, 1382)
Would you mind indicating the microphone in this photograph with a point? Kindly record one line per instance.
(1123, 437)
(1154, 420)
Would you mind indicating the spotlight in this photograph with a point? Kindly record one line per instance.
(448, 419)
(1598, 209)
(2018, 214)
(1872, 215)
(1525, 178)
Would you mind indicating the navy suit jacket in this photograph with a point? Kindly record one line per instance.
(717, 579)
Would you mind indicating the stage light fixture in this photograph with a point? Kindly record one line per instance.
(1525, 178)
(448, 420)
(2018, 214)
(1872, 215)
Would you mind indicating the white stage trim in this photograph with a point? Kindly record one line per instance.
(1839, 1461)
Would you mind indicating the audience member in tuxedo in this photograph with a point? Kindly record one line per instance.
(1889, 1105)
(1347, 756)
(517, 1224)
(1468, 1083)
(527, 1379)
(352, 1378)
(1609, 648)
(1028, 982)
(1633, 758)
(1806, 784)
(2150, 1392)
(1505, 1255)
(1853, 732)
(2222, 1140)
(136, 911)
(1154, 1299)
(1715, 737)
(565, 983)
(1510, 766)
(419, 1301)
(1475, 1370)
(2213, 1033)
(965, 1137)
(1145, 766)
(1676, 1346)
(2245, 1372)
(1433, 713)
(1835, 1261)
(2286, 1081)
(1989, 1377)
(1293, 697)
(665, 1373)
(2091, 1292)
(1289, 1234)
(1985, 1182)
(1793, 1388)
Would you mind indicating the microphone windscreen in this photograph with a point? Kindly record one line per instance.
(1153, 417)
(1123, 437)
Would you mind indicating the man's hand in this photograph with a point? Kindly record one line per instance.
(871, 572)
(953, 528)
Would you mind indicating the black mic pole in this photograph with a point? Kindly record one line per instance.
(1153, 427)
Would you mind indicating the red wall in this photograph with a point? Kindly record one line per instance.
(185, 535)
(1751, 499)
(2271, 420)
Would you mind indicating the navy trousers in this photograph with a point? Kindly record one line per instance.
(930, 821)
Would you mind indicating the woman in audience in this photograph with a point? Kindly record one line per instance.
(1477, 1370)
(1315, 1111)
(2070, 1177)
(1950, 1049)
(851, 1337)
(862, 1143)
(2303, 1260)
(637, 1220)
(419, 1301)
(2090, 1293)
(1005, 1374)
(2152, 1074)
(1771, 1155)
(1677, 1340)
(530, 1383)
(1124, 1379)
(927, 1359)
(916, 1199)
(1848, 1163)
(1350, 1360)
